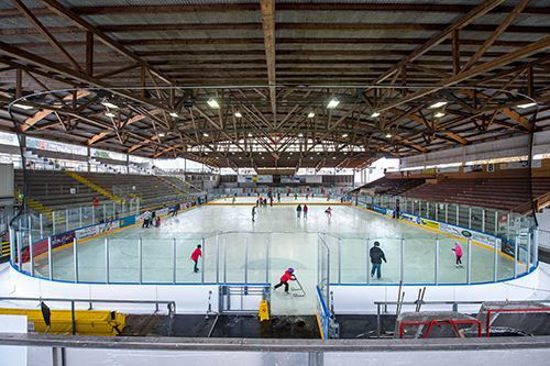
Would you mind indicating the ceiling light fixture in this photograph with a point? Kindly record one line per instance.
(110, 114)
(310, 115)
(438, 104)
(388, 135)
(108, 104)
(344, 135)
(333, 103)
(174, 114)
(249, 134)
(205, 134)
(300, 135)
(23, 106)
(375, 114)
(213, 103)
(527, 105)
(238, 114)
(439, 114)
(162, 134)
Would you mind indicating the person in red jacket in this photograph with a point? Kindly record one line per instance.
(195, 257)
(287, 276)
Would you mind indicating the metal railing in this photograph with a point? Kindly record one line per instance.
(310, 352)
(170, 305)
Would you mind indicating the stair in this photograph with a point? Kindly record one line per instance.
(171, 184)
(32, 204)
(94, 186)
(43, 209)
(187, 183)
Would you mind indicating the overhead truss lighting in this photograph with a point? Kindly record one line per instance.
(238, 114)
(23, 106)
(439, 114)
(388, 135)
(438, 104)
(375, 114)
(110, 114)
(333, 103)
(213, 103)
(344, 135)
(174, 114)
(310, 115)
(205, 134)
(526, 105)
(108, 104)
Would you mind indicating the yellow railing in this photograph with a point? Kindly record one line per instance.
(93, 186)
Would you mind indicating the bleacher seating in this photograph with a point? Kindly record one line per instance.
(502, 193)
(53, 188)
(392, 186)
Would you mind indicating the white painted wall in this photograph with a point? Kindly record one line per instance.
(357, 299)
(13, 355)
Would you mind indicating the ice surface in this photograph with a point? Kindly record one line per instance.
(289, 241)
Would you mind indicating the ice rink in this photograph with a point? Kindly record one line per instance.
(235, 250)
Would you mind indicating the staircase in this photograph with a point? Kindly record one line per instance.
(93, 186)
(167, 181)
(46, 212)
(187, 183)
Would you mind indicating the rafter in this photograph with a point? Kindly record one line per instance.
(268, 16)
(44, 113)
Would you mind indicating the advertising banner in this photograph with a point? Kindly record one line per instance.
(93, 230)
(429, 223)
(411, 218)
(127, 221)
(379, 209)
(470, 234)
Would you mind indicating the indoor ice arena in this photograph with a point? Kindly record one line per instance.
(274, 182)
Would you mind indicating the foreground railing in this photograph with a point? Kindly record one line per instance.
(71, 350)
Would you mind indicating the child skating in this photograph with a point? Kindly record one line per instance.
(328, 212)
(305, 209)
(287, 276)
(458, 255)
(253, 213)
(298, 211)
(195, 257)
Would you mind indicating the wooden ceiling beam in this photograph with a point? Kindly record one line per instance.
(465, 20)
(268, 17)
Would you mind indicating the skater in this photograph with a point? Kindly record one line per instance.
(305, 209)
(298, 210)
(195, 257)
(157, 222)
(234, 198)
(287, 276)
(328, 211)
(376, 256)
(176, 209)
(253, 213)
(146, 219)
(278, 197)
(295, 196)
(458, 254)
